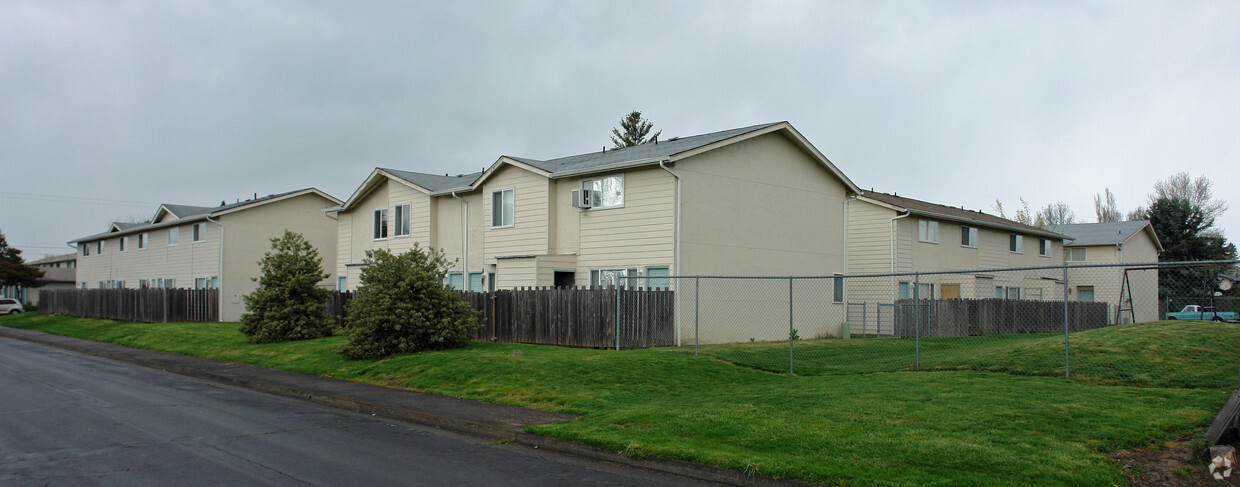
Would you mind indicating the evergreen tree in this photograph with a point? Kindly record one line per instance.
(13, 269)
(288, 304)
(635, 131)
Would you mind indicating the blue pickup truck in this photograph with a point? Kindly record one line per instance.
(1194, 312)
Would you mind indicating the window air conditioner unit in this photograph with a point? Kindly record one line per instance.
(585, 198)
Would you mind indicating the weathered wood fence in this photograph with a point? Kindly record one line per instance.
(141, 305)
(970, 317)
(573, 317)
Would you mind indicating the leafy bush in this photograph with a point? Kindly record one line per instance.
(402, 307)
(287, 304)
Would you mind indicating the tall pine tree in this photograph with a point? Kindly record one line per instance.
(635, 131)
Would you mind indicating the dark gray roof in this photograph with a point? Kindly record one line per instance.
(184, 213)
(1083, 234)
(122, 226)
(54, 258)
(618, 157)
(957, 214)
(435, 182)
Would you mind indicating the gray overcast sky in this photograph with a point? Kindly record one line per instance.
(109, 108)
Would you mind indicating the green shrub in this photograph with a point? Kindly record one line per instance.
(401, 306)
(287, 304)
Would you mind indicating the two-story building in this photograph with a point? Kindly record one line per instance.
(1130, 291)
(206, 247)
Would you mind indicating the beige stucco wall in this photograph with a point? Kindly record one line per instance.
(247, 237)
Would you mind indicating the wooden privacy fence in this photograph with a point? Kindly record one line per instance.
(141, 305)
(572, 317)
(971, 317)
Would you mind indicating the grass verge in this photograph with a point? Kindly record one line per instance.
(940, 428)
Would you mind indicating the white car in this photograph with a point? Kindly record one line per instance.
(10, 306)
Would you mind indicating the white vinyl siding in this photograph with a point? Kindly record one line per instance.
(927, 231)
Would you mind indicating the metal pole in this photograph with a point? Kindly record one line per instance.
(697, 293)
(917, 320)
(1067, 356)
(791, 331)
(617, 317)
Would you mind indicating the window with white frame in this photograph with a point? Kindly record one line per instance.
(1016, 243)
(1044, 247)
(85, 250)
(402, 220)
(905, 291)
(99, 247)
(837, 294)
(925, 291)
(199, 235)
(142, 240)
(610, 190)
(174, 235)
(206, 282)
(615, 277)
(380, 224)
(928, 231)
(657, 277)
(124, 241)
(1076, 254)
(1008, 292)
(968, 236)
(502, 207)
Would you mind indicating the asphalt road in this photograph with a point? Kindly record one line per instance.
(70, 419)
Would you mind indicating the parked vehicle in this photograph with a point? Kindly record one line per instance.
(1195, 312)
(10, 306)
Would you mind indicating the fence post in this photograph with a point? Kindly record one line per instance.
(697, 293)
(917, 321)
(791, 330)
(1067, 356)
(617, 317)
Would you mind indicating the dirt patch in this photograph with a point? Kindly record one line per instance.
(1170, 464)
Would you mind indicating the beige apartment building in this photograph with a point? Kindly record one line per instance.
(1130, 242)
(206, 247)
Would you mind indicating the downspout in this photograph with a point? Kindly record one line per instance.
(464, 242)
(220, 290)
(891, 235)
(846, 202)
(677, 256)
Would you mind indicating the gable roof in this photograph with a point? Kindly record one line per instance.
(1110, 233)
(426, 183)
(925, 208)
(54, 258)
(654, 152)
(185, 213)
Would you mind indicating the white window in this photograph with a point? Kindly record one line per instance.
(174, 235)
(198, 233)
(380, 226)
(206, 282)
(85, 250)
(618, 277)
(170, 283)
(99, 247)
(1076, 254)
(968, 237)
(142, 239)
(502, 207)
(402, 220)
(1044, 247)
(124, 241)
(610, 190)
(1016, 243)
(657, 277)
(144, 283)
(905, 292)
(928, 231)
(925, 291)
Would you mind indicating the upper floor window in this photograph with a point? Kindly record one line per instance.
(124, 241)
(968, 237)
(85, 250)
(402, 220)
(502, 208)
(99, 247)
(142, 238)
(380, 226)
(928, 231)
(1076, 254)
(1044, 247)
(198, 233)
(174, 235)
(1016, 243)
(610, 190)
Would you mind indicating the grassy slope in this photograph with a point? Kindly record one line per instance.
(942, 428)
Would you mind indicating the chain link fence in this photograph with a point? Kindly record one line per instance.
(1156, 323)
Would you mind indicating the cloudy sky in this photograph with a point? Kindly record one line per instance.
(109, 108)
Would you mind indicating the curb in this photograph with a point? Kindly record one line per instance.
(365, 398)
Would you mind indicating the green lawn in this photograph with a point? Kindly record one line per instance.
(897, 428)
(1167, 353)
